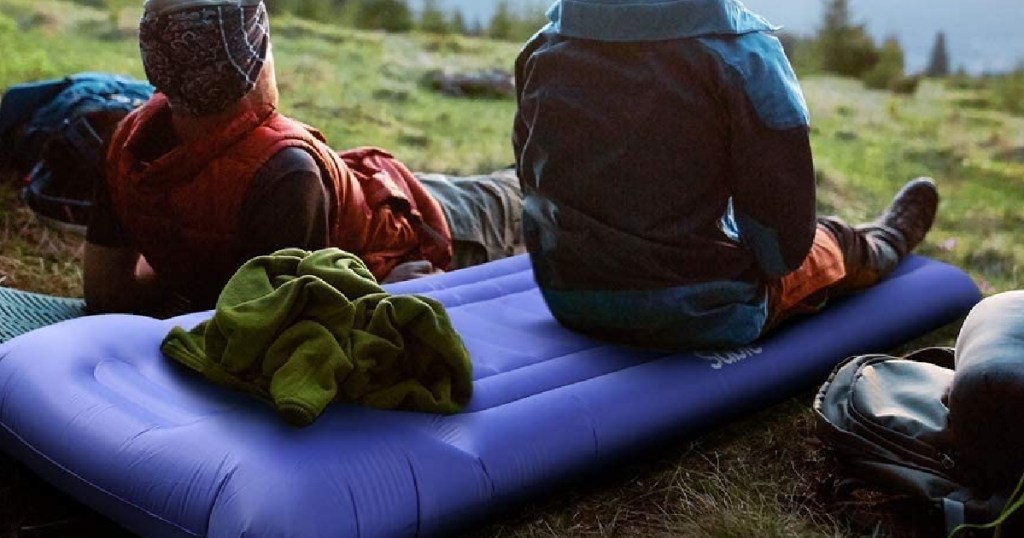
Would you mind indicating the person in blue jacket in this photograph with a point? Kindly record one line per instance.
(663, 149)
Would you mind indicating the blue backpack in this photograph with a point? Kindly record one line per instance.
(52, 134)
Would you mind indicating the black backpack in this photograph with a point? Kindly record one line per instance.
(940, 424)
(52, 135)
(886, 422)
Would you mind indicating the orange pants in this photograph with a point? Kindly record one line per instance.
(806, 290)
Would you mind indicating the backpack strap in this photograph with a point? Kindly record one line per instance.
(84, 140)
(939, 356)
(954, 512)
(1012, 506)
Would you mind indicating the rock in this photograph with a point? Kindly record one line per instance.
(495, 83)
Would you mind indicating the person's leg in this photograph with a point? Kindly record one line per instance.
(846, 259)
(806, 290)
(873, 250)
(485, 214)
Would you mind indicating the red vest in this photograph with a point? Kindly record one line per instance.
(182, 208)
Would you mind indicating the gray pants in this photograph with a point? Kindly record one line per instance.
(485, 214)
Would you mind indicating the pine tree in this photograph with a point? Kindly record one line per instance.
(835, 26)
(458, 23)
(316, 10)
(388, 15)
(533, 17)
(503, 22)
(938, 63)
(321, 10)
(432, 20)
(845, 47)
(477, 29)
(890, 66)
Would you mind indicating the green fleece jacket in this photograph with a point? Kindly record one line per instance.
(305, 329)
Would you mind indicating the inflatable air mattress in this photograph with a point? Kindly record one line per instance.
(92, 406)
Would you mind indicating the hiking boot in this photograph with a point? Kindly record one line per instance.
(872, 251)
(910, 215)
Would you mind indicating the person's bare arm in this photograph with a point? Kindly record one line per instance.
(117, 279)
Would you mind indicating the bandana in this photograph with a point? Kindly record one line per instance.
(204, 56)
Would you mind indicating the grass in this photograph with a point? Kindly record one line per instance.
(764, 475)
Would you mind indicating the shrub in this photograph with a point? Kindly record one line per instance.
(905, 85)
(845, 48)
(1008, 91)
(802, 53)
(888, 71)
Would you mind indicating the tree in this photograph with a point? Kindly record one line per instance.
(388, 15)
(533, 17)
(938, 63)
(317, 10)
(458, 23)
(503, 22)
(476, 29)
(801, 51)
(889, 69)
(432, 20)
(845, 47)
(320, 10)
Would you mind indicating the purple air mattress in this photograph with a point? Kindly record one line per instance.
(93, 407)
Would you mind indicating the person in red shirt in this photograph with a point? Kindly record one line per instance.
(208, 174)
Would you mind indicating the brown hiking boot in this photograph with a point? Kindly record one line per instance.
(871, 251)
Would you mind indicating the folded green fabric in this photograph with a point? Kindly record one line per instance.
(305, 329)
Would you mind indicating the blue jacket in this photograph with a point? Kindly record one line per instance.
(664, 153)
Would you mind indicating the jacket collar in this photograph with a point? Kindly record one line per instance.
(182, 163)
(653, 20)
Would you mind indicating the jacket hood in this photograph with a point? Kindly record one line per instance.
(653, 20)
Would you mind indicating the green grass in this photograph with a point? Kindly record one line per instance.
(760, 476)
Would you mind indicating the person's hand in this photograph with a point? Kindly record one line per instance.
(410, 270)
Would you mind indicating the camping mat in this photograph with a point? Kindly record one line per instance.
(21, 311)
(93, 407)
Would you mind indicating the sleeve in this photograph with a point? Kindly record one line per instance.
(521, 126)
(773, 183)
(105, 228)
(286, 206)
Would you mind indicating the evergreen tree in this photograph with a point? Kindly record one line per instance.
(845, 47)
(275, 7)
(533, 17)
(835, 25)
(477, 29)
(889, 68)
(388, 15)
(432, 20)
(320, 10)
(938, 63)
(458, 23)
(502, 23)
(317, 10)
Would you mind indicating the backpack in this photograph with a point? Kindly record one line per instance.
(886, 422)
(52, 135)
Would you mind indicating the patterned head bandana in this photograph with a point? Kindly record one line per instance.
(204, 55)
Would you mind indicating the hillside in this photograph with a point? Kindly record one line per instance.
(758, 477)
